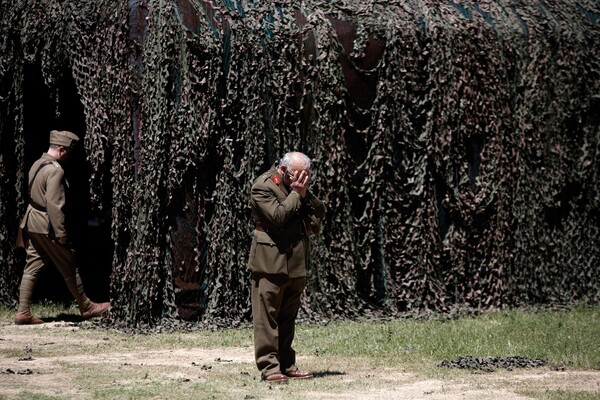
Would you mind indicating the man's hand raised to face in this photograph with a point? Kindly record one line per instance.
(300, 182)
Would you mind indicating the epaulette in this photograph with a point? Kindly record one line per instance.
(270, 175)
(264, 176)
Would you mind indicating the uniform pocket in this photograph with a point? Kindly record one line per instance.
(265, 256)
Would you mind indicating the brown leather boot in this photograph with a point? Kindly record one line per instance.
(27, 318)
(95, 310)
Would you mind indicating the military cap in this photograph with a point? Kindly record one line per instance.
(63, 138)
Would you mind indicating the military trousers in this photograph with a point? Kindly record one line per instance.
(275, 305)
(41, 250)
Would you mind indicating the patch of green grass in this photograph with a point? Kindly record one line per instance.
(566, 337)
(343, 353)
(560, 394)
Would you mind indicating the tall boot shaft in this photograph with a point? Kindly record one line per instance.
(26, 292)
(75, 286)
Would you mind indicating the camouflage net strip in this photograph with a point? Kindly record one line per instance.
(457, 146)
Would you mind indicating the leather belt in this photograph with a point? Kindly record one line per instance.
(37, 207)
(260, 228)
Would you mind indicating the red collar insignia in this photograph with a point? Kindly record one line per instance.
(276, 179)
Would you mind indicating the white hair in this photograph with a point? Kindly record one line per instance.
(295, 159)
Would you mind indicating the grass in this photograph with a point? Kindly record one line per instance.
(571, 337)
(340, 353)
(563, 395)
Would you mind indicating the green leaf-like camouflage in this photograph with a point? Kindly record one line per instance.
(456, 145)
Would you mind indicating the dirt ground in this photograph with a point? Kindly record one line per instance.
(22, 368)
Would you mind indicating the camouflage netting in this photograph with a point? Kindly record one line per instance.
(457, 146)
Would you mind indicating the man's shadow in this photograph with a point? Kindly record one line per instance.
(64, 317)
(323, 374)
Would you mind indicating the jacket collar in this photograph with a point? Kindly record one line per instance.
(48, 157)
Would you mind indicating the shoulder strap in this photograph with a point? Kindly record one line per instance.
(42, 165)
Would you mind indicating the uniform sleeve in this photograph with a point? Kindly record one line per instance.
(55, 201)
(313, 211)
(270, 208)
(316, 206)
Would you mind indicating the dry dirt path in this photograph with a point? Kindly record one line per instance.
(33, 359)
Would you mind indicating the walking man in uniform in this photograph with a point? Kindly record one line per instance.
(285, 213)
(44, 225)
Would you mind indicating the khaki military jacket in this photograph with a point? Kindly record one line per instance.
(283, 222)
(44, 213)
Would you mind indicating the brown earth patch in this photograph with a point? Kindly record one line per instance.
(32, 359)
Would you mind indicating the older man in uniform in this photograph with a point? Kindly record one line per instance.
(285, 213)
(44, 224)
